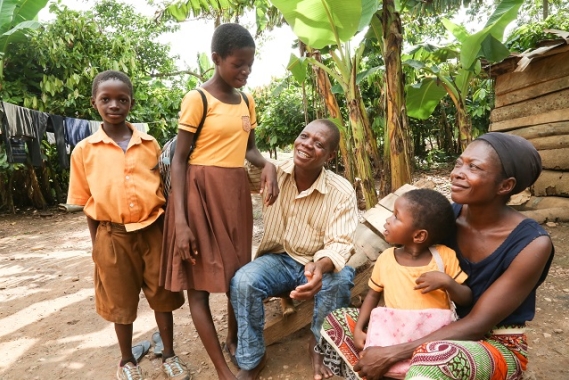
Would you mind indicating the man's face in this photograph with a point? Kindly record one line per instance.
(312, 147)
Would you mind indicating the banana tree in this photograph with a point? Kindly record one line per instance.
(298, 67)
(386, 28)
(266, 16)
(330, 25)
(17, 18)
(440, 77)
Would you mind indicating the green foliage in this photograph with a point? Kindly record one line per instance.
(326, 22)
(280, 114)
(53, 72)
(266, 15)
(16, 19)
(455, 80)
(528, 35)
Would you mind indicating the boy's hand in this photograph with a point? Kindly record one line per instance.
(429, 281)
(269, 186)
(186, 244)
(359, 339)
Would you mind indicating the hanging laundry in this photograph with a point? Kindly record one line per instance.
(95, 125)
(76, 130)
(19, 121)
(25, 125)
(18, 153)
(39, 123)
(55, 125)
(142, 127)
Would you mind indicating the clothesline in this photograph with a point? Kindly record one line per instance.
(20, 126)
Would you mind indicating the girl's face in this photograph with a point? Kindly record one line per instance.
(113, 101)
(476, 174)
(399, 227)
(236, 67)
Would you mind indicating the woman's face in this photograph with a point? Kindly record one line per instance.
(476, 174)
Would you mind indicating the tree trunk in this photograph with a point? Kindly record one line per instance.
(371, 139)
(325, 91)
(10, 193)
(361, 142)
(464, 126)
(448, 141)
(3, 189)
(399, 147)
(59, 194)
(46, 184)
(462, 119)
(34, 191)
(545, 8)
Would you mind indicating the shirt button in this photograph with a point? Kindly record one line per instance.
(127, 177)
(132, 205)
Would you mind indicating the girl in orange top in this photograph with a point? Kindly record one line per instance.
(209, 224)
(408, 275)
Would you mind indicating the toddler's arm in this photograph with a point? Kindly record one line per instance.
(458, 293)
(370, 302)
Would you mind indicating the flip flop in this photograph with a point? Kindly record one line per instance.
(232, 357)
(140, 349)
(158, 345)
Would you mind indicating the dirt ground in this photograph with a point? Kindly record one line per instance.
(49, 328)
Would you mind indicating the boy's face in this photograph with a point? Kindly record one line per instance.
(113, 101)
(236, 67)
(399, 228)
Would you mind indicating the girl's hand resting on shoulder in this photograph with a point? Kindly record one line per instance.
(186, 245)
(269, 186)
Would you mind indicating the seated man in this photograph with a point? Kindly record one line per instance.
(308, 238)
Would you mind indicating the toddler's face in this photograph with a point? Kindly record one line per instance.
(399, 226)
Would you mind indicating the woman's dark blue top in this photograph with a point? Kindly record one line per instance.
(481, 275)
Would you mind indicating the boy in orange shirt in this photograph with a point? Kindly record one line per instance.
(113, 176)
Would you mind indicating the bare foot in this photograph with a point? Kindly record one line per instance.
(230, 349)
(319, 370)
(287, 306)
(253, 374)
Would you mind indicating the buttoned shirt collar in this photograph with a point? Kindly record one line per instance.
(101, 136)
(320, 184)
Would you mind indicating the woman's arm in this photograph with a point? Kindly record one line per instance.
(503, 297)
(459, 293)
(185, 240)
(269, 173)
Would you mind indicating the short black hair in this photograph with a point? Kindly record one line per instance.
(230, 36)
(335, 133)
(433, 212)
(111, 75)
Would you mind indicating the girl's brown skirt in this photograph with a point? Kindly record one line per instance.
(220, 215)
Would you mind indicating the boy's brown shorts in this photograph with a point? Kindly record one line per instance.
(126, 262)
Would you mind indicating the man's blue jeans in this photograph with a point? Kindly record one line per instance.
(273, 275)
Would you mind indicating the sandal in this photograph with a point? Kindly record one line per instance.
(158, 344)
(140, 349)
